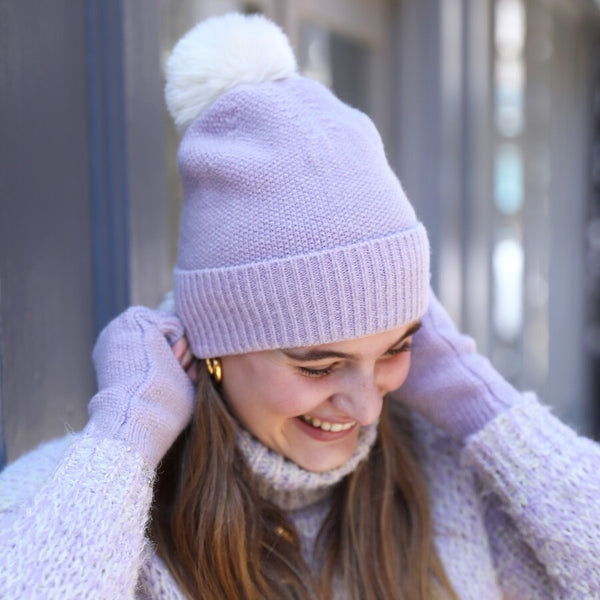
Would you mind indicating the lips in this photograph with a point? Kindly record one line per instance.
(329, 426)
(326, 431)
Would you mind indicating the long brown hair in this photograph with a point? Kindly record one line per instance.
(222, 541)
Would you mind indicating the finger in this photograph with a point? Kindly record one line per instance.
(179, 348)
(186, 359)
(192, 371)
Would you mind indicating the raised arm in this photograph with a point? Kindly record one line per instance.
(540, 481)
(76, 528)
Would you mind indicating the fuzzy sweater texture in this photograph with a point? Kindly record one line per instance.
(516, 511)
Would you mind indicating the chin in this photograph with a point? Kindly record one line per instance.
(321, 464)
(323, 468)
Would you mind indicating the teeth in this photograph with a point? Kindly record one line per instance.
(326, 426)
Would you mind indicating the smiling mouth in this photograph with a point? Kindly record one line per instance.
(326, 425)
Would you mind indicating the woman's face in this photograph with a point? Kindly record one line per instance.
(308, 403)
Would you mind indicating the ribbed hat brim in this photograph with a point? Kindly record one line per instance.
(323, 297)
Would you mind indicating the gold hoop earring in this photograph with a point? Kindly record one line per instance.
(215, 369)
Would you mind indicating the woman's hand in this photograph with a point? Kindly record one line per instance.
(189, 363)
(145, 396)
(449, 383)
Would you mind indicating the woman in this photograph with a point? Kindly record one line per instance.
(342, 439)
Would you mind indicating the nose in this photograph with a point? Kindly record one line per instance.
(361, 401)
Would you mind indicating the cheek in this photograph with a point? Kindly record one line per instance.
(292, 396)
(267, 391)
(396, 372)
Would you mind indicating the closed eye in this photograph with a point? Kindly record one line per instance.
(316, 372)
(322, 372)
(406, 346)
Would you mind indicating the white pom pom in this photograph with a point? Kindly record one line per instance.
(220, 53)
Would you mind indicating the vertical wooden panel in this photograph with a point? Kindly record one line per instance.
(108, 160)
(567, 387)
(149, 264)
(477, 169)
(420, 127)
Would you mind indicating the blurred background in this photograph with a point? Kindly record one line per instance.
(490, 113)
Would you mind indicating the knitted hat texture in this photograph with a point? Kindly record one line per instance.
(294, 230)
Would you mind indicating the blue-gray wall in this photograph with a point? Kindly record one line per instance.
(82, 198)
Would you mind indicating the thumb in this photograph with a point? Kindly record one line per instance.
(170, 325)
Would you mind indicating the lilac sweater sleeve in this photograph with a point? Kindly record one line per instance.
(540, 481)
(541, 487)
(72, 521)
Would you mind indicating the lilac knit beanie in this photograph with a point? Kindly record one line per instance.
(294, 230)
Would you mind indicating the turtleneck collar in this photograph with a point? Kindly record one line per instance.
(289, 486)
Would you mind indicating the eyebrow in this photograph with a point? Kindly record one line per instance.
(315, 354)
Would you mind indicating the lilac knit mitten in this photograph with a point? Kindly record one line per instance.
(145, 397)
(450, 384)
